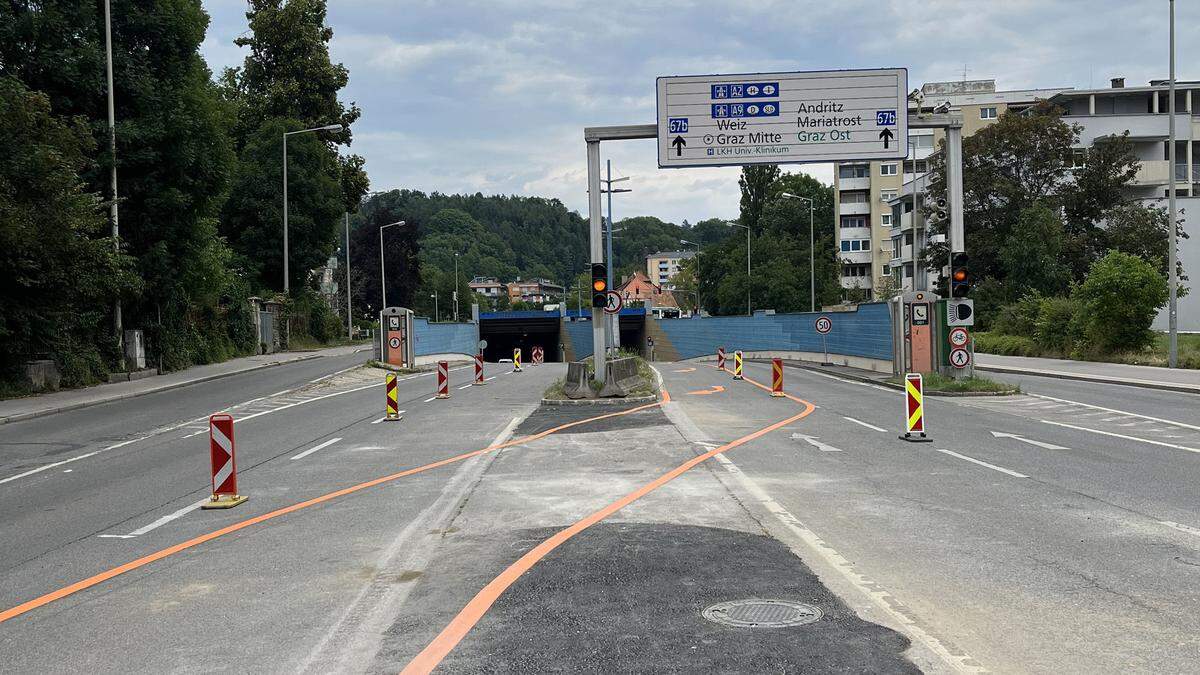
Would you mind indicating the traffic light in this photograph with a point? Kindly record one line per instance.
(599, 285)
(960, 276)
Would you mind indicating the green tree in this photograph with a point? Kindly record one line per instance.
(289, 83)
(1141, 230)
(1032, 256)
(61, 271)
(757, 184)
(175, 156)
(1117, 303)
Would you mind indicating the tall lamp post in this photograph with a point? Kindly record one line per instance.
(349, 314)
(812, 270)
(697, 245)
(1173, 286)
(456, 287)
(112, 149)
(382, 274)
(436, 318)
(747, 229)
(287, 284)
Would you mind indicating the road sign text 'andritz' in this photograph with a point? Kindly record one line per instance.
(782, 118)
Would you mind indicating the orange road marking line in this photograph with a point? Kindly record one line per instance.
(705, 392)
(84, 584)
(468, 616)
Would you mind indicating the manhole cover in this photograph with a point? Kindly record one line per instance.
(762, 613)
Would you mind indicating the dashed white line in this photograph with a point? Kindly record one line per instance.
(72, 459)
(431, 398)
(1182, 528)
(158, 523)
(466, 386)
(985, 464)
(311, 450)
(862, 423)
(1128, 438)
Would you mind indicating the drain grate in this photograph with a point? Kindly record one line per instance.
(756, 613)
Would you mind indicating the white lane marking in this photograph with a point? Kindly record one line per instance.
(158, 523)
(68, 470)
(862, 423)
(168, 518)
(1128, 438)
(985, 464)
(431, 398)
(1121, 412)
(1182, 528)
(488, 379)
(466, 386)
(72, 459)
(1040, 444)
(886, 602)
(379, 420)
(812, 440)
(195, 433)
(313, 449)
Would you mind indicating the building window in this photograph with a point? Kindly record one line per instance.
(922, 142)
(854, 198)
(853, 171)
(920, 166)
(987, 113)
(854, 221)
(845, 246)
(887, 169)
(888, 195)
(886, 220)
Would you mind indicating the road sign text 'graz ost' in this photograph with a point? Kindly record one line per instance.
(781, 118)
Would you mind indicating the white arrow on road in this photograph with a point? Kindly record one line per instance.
(812, 440)
(1040, 444)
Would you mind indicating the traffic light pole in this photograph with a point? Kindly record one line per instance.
(596, 248)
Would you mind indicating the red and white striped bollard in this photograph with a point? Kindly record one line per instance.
(224, 465)
(443, 381)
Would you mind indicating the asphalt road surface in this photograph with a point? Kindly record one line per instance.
(1054, 531)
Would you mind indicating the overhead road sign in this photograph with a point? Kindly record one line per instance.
(782, 118)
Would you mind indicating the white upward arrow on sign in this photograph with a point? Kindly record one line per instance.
(812, 440)
(1040, 444)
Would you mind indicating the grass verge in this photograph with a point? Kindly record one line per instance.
(1155, 355)
(935, 382)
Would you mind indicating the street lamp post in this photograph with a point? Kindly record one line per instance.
(112, 149)
(1173, 287)
(382, 274)
(697, 245)
(456, 287)
(747, 229)
(287, 285)
(436, 318)
(349, 315)
(812, 270)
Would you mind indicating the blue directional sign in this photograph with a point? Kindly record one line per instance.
(741, 110)
(745, 90)
(885, 118)
(678, 125)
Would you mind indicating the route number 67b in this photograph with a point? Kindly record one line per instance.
(885, 118)
(677, 125)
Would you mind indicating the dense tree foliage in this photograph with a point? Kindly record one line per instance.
(61, 272)
(289, 83)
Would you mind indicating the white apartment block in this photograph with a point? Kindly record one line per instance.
(662, 267)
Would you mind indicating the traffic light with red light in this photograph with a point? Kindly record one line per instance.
(599, 285)
(960, 276)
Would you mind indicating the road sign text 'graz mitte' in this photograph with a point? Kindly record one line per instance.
(782, 118)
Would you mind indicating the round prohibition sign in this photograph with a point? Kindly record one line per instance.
(823, 325)
(394, 343)
(613, 302)
(959, 357)
(959, 337)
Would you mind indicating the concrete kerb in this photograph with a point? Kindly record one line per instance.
(890, 385)
(631, 400)
(1083, 377)
(19, 417)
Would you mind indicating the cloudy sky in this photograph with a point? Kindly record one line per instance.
(492, 95)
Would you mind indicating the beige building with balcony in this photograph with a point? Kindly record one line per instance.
(661, 267)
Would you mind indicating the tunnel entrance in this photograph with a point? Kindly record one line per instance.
(505, 331)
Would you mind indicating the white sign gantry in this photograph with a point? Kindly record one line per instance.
(782, 118)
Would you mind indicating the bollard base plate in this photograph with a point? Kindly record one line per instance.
(478, 383)
(224, 501)
(777, 394)
(397, 418)
(738, 377)
(442, 396)
(916, 439)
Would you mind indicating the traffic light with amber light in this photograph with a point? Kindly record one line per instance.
(960, 276)
(599, 285)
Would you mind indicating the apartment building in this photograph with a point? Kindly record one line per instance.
(489, 287)
(864, 192)
(1143, 112)
(661, 267)
(534, 290)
